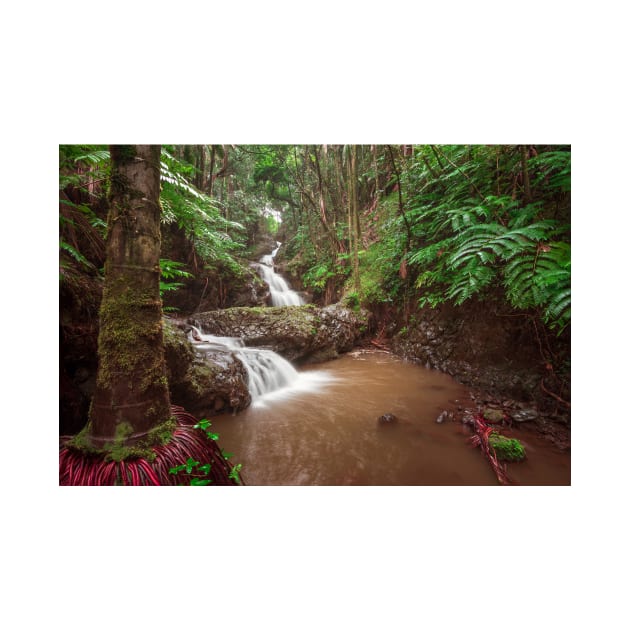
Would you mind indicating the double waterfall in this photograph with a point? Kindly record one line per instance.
(270, 376)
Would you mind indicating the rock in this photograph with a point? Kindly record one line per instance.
(493, 416)
(506, 449)
(387, 418)
(202, 382)
(445, 415)
(304, 334)
(468, 418)
(486, 351)
(524, 415)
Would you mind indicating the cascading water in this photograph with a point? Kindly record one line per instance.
(270, 376)
(281, 294)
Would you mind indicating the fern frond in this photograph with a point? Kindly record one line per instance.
(80, 258)
(94, 157)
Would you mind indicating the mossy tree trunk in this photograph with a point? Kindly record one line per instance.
(131, 399)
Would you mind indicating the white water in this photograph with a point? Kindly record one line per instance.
(281, 293)
(270, 376)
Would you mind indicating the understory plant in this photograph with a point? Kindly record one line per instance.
(157, 465)
(493, 218)
(201, 474)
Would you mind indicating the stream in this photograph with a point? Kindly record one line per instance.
(324, 430)
(320, 425)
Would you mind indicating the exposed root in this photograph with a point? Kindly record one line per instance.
(77, 468)
(560, 400)
(482, 433)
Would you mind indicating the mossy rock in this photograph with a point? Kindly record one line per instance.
(304, 334)
(493, 416)
(506, 449)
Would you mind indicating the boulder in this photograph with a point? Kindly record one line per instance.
(493, 416)
(304, 334)
(202, 383)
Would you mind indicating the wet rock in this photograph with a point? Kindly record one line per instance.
(387, 418)
(444, 416)
(202, 382)
(487, 351)
(468, 418)
(493, 416)
(304, 334)
(524, 415)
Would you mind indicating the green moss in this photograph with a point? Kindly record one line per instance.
(119, 449)
(127, 340)
(506, 449)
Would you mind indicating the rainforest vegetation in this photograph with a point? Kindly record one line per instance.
(471, 241)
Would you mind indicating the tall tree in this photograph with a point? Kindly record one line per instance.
(131, 387)
(134, 436)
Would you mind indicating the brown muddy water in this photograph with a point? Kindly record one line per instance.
(329, 434)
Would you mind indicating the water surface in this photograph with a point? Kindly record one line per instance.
(330, 434)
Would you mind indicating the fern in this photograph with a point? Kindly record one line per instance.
(80, 258)
(541, 277)
(93, 157)
(476, 233)
(474, 278)
(552, 168)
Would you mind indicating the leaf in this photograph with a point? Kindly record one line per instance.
(200, 482)
(190, 464)
(234, 473)
(94, 157)
(202, 424)
(204, 468)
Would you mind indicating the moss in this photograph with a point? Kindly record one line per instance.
(506, 449)
(119, 449)
(127, 341)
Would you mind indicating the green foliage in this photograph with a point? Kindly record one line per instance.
(200, 473)
(553, 169)
(472, 238)
(318, 275)
(272, 224)
(235, 473)
(506, 449)
(75, 254)
(215, 238)
(170, 269)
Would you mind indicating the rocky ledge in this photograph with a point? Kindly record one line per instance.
(303, 334)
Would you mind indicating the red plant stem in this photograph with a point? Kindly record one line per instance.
(78, 468)
(483, 431)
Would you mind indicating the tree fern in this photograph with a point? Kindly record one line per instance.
(473, 231)
(541, 277)
(95, 156)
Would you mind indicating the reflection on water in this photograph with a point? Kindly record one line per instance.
(331, 435)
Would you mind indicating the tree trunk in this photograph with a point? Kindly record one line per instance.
(526, 185)
(211, 173)
(131, 396)
(354, 225)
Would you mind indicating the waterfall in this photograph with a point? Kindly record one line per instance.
(269, 375)
(281, 293)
